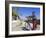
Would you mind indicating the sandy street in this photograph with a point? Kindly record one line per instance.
(16, 25)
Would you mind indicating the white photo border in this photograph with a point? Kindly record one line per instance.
(23, 32)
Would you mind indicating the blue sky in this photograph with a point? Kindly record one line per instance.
(27, 11)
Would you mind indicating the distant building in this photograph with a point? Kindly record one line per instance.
(31, 18)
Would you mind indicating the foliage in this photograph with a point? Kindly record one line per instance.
(14, 13)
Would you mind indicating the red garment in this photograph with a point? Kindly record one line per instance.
(34, 25)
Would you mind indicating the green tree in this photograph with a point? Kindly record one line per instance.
(14, 13)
